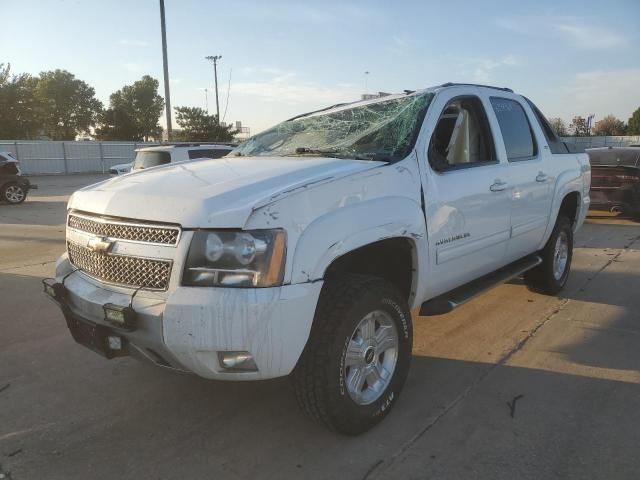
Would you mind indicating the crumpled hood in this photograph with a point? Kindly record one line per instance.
(210, 193)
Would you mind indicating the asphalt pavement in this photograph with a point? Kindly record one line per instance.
(513, 385)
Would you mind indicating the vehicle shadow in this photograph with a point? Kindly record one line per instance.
(605, 215)
(75, 415)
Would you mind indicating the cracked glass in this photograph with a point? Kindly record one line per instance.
(384, 130)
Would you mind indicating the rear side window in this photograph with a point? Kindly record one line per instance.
(212, 153)
(151, 159)
(516, 130)
(555, 144)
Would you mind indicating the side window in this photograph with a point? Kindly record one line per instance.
(193, 154)
(555, 144)
(519, 141)
(462, 137)
(217, 153)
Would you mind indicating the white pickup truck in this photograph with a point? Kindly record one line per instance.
(303, 252)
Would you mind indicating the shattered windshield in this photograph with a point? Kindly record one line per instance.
(383, 131)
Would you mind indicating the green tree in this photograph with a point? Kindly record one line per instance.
(633, 125)
(68, 105)
(578, 127)
(197, 125)
(133, 112)
(559, 126)
(609, 125)
(18, 105)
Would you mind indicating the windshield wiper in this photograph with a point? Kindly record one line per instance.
(315, 151)
(332, 153)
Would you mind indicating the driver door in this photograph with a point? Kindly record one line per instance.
(466, 195)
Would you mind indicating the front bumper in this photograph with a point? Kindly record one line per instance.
(184, 329)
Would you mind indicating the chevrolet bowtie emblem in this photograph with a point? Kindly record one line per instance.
(99, 244)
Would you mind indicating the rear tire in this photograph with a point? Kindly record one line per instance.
(13, 193)
(358, 354)
(551, 275)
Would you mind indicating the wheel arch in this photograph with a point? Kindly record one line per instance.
(379, 230)
(569, 202)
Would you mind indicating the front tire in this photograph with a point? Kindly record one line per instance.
(551, 275)
(14, 193)
(358, 354)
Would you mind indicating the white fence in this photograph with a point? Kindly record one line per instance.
(610, 141)
(50, 157)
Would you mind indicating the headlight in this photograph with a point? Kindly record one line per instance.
(248, 258)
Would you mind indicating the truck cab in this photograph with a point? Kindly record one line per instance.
(304, 251)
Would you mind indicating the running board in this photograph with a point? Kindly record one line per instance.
(452, 299)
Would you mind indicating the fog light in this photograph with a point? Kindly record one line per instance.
(114, 342)
(52, 288)
(237, 361)
(123, 317)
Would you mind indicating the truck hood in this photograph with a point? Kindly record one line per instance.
(210, 193)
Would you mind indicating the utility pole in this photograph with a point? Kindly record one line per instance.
(215, 59)
(165, 63)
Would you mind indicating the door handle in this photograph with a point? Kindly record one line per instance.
(542, 177)
(498, 185)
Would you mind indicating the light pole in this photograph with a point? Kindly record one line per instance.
(214, 60)
(366, 77)
(206, 99)
(165, 63)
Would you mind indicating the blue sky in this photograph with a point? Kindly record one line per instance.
(287, 57)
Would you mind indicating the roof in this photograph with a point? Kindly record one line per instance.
(393, 96)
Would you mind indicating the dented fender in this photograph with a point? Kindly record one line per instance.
(354, 226)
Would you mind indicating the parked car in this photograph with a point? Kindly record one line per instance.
(615, 184)
(303, 252)
(179, 152)
(13, 186)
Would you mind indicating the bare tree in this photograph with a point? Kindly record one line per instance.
(578, 127)
(609, 125)
(559, 126)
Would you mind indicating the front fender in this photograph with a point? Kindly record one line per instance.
(354, 226)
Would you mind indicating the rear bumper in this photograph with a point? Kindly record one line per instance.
(186, 328)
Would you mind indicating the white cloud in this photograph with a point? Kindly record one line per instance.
(288, 87)
(573, 31)
(133, 43)
(484, 67)
(598, 92)
(133, 67)
(262, 70)
(481, 69)
(325, 13)
(400, 44)
(589, 37)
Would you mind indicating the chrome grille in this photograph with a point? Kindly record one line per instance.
(121, 269)
(123, 230)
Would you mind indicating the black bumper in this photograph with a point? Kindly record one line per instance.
(88, 334)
